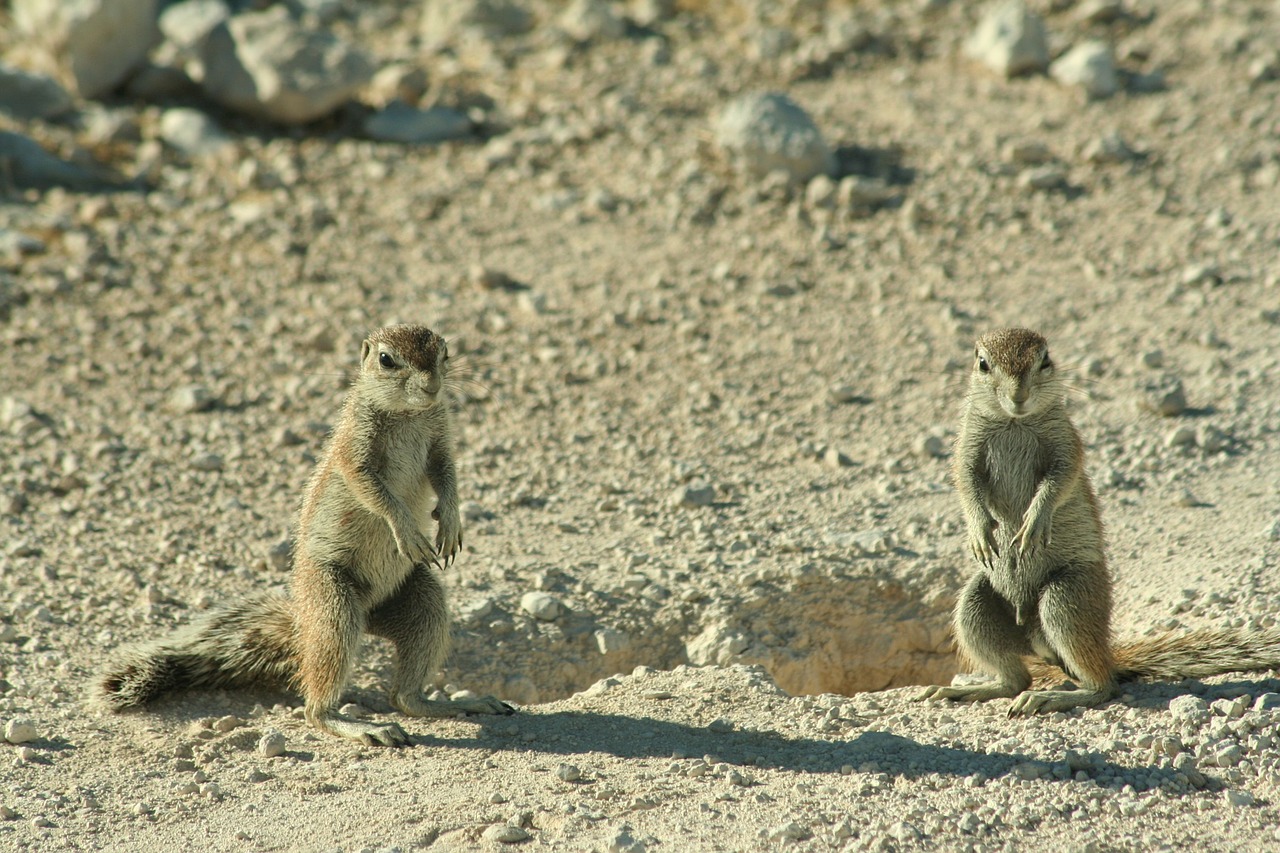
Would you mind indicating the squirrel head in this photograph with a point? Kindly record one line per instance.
(1012, 374)
(403, 368)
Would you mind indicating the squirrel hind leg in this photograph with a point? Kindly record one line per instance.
(991, 640)
(1075, 616)
(415, 619)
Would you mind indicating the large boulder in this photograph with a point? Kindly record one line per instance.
(267, 65)
(96, 44)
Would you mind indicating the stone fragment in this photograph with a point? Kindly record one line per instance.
(505, 833)
(24, 95)
(1089, 65)
(694, 495)
(769, 132)
(266, 65)
(444, 22)
(1109, 148)
(1165, 396)
(1010, 40)
(193, 133)
(587, 20)
(96, 43)
(189, 399)
(399, 122)
(568, 773)
(271, 744)
(29, 166)
(187, 25)
(20, 731)
(834, 458)
(1189, 709)
(540, 605)
(398, 82)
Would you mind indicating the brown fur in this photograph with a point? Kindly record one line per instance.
(1043, 587)
(362, 561)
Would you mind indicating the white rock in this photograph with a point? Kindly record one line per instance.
(568, 773)
(266, 65)
(20, 731)
(1238, 799)
(187, 25)
(191, 398)
(1189, 708)
(27, 96)
(271, 744)
(624, 842)
(97, 42)
(540, 606)
(448, 20)
(400, 122)
(1010, 40)
(875, 541)
(768, 132)
(193, 133)
(1090, 66)
(505, 834)
(592, 19)
(399, 81)
(694, 495)
(610, 640)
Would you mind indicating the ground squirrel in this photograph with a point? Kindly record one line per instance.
(1043, 587)
(361, 561)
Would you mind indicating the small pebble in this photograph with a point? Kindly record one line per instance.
(540, 605)
(568, 773)
(505, 834)
(192, 398)
(844, 394)
(833, 458)
(227, 723)
(271, 744)
(1238, 799)
(20, 731)
(694, 495)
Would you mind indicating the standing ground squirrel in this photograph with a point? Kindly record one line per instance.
(362, 561)
(1043, 586)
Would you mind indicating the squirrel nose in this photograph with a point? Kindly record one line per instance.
(1020, 394)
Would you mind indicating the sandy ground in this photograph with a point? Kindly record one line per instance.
(731, 676)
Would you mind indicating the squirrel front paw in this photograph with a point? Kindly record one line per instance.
(982, 542)
(449, 534)
(414, 545)
(1034, 534)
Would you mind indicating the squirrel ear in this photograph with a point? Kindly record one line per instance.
(365, 346)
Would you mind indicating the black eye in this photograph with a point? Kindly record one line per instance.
(983, 366)
(386, 361)
(1046, 363)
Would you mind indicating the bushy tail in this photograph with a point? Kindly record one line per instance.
(249, 642)
(1198, 654)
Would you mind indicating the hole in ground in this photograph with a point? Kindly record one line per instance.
(853, 629)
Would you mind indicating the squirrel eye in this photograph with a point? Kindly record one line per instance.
(983, 366)
(1046, 363)
(386, 361)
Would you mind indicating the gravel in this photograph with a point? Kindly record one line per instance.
(668, 356)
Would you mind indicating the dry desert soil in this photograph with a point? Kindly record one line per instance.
(712, 541)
